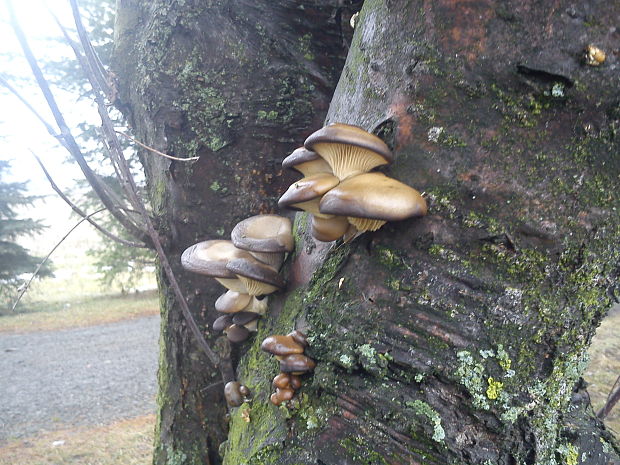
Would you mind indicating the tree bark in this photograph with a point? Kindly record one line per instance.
(459, 337)
(238, 84)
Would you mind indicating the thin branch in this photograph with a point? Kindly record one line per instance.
(612, 400)
(66, 137)
(151, 149)
(15, 92)
(83, 214)
(223, 364)
(26, 286)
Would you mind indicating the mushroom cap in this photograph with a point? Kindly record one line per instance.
(258, 277)
(295, 382)
(264, 233)
(299, 337)
(375, 196)
(349, 149)
(232, 393)
(243, 318)
(281, 380)
(232, 302)
(281, 345)
(210, 257)
(305, 193)
(329, 229)
(285, 393)
(306, 162)
(297, 364)
(237, 333)
(222, 322)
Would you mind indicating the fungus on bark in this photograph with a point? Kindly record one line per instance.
(306, 162)
(266, 237)
(349, 150)
(369, 200)
(257, 277)
(235, 393)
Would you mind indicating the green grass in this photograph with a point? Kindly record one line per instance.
(78, 312)
(604, 366)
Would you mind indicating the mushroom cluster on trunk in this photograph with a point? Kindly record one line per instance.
(247, 265)
(339, 190)
(289, 350)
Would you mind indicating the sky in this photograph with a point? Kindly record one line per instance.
(20, 131)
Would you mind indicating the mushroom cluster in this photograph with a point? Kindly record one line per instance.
(344, 197)
(289, 350)
(247, 265)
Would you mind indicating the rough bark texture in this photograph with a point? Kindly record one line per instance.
(239, 84)
(458, 338)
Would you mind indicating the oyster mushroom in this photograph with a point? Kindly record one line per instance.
(306, 162)
(257, 277)
(266, 237)
(209, 258)
(349, 150)
(371, 199)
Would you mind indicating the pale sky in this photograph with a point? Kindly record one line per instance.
(20, 131)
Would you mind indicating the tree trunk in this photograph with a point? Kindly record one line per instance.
(459, 337)
(238, 84)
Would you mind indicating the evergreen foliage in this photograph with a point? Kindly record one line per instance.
(15, 260)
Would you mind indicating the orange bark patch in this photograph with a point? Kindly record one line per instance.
(465, 25)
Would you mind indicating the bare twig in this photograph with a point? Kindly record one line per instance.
(66, 138)
(25, 287)
(15, 92)
(214, 358)
(612, 400)
(80, 212)
(151, 149)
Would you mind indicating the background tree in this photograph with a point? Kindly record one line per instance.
(15, 259)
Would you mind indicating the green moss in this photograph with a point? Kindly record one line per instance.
(362, 452)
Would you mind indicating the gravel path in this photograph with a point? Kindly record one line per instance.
(84, 376)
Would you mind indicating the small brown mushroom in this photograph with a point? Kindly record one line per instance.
(243, 318)
(349, 150)
(223, 322)
(237, 333)
(235, 393)
(298, 337)
(281, 345)
(281, 380)
(371, 199)
(297, 364)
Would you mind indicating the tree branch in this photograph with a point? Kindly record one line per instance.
(80, 212)
(612, 400)
(66, 137)
(214, 358)
(155, 151)
(26, 286)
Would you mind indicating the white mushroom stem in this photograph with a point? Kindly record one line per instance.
(257, 306)
(252, 325)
